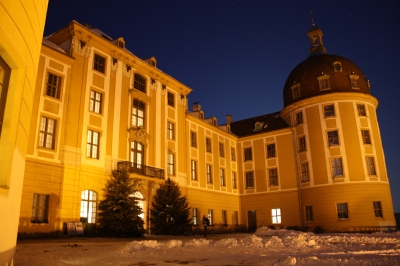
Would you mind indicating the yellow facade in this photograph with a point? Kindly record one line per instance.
(21, 31)
(98, 107)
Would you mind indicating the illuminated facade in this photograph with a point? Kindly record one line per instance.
(21, 31)
(97, 107)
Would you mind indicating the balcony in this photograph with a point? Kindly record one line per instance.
(141, 169)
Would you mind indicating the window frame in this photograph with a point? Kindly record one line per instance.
(208, 145)
(302, 144)
(193, 170)
(99, 63)
(249, 176)
(329, 110)
(332, 137)
(271, 150)
(44, 133)
(234, 180)
(40, 208)
(209, 173)
(221, 150)
(171, 99)
(193, 139)
(89, 196)
(342, 210)
(273, 177)
(233, 154)
(324, 83)
(170, 130)
(137, 119)
(276, 216)
(55, 88)
(370, 162)
(93, 101)
(248, 154)
(195, 216)
(224, 217)
(361, 110)
(377, 205)
(366, 137)
(337, 170)
(5, 72)
(136, 154)
(298, 118)
(91, 146)
(211, 216)
(222, 177)
(296, 91)
(308, 213)
(139, 82)
(171, 164)
(235, 218)
(305, 172)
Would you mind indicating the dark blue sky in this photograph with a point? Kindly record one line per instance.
(236, 55)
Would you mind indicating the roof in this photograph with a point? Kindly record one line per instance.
(267, 122)
(52, 45)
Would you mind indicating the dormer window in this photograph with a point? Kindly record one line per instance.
(323, 82)
(354, 82)
(201, 115)
(296, 91)
(258, 126)
(214, 122)
(121, 42)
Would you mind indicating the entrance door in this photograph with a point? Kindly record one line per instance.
(252, 220)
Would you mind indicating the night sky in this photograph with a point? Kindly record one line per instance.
(236, 55)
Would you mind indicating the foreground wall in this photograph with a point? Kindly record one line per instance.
(21, 31)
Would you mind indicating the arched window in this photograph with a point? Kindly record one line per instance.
(137, 154)
(88, 206)
(138, 111)
(140, 201)
(139, 83)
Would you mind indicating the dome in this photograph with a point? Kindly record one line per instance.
(322, 73)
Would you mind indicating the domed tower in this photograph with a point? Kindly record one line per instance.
(341, 170)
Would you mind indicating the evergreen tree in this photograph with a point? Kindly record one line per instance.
(119, 211)
(170, 211)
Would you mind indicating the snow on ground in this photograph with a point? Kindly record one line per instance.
(265, 247)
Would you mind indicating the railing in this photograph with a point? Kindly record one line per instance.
(141, 169)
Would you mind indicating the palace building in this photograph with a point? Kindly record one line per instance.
(97, 107)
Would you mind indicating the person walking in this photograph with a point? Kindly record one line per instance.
(206, 223)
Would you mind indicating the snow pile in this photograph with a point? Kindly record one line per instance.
(252, 241)
(228, 242)
(135, 246)
(199, 242)
(274, 242)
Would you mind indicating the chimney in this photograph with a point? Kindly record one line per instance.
(228, 119)
(196, 107)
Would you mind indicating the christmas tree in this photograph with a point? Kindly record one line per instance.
(170, 211)
(119, 211)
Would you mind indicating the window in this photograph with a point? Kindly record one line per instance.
(5, 72)
(271, 151)
(171, 99)
(309, 214)
(224, 220)
(305, 176)
(193, 169)
(234, 180)
(139, 83)
(273, 177)
(295, 91)
(221, 150)
(193, 139)
(222, 176)
(302, 144)
(95, 102)
(342, 211)
(171, 164)
(194, 217)
(233, 154)
(170, 130)
(209, 174)
(276, 216)
(137, 154)
(365, 136)
(323, 83)
(40, 208)
(337, 168)
(329, 110)
(92, 144)
(235, 218)
(210, 216)
(88, 206)
(371, 166)
(377, 209)
(208, 145)
(47, 133)
(250, 179)
(299, 118)
(99, 63)
(248, 156)
(333, 138)
(354, 82)
(53, 86)
(361, 110)
(138, 112)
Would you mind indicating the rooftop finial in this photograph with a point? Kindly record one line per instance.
(312, 19)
